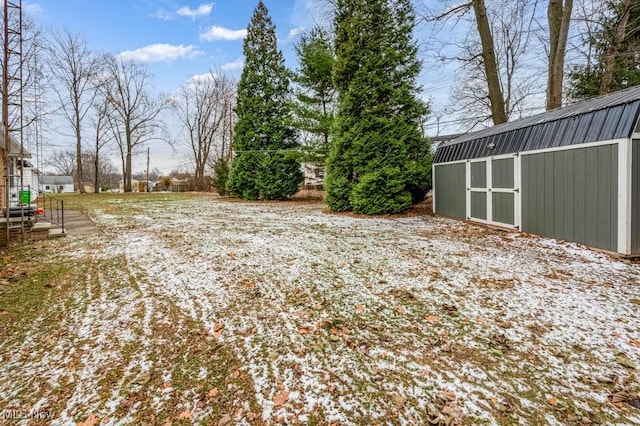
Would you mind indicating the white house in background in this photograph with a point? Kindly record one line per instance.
(31, 179)
(57, 184)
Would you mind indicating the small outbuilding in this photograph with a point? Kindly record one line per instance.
(572, 174)
(58, 184)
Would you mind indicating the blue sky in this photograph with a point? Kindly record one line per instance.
(178, 39)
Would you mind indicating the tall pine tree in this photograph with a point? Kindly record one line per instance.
(379, 161)
(315, 93)
(264, 166)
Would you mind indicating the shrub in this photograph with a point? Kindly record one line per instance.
(382, 191)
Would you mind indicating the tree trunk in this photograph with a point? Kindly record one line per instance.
(79, 173)
(96, 178)
(496, 97)
(559, 17)
(614, 49)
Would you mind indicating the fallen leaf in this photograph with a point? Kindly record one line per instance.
(480, 320)
(225, 420)
(213, 392)
(217, 327)
(249, 284)
(305, 330)
(432, 319)
(398, 400)
(449, 395)
(493, 399)
(359, 309)
(553, 401)
(635, 342)
(186, 414)
(281, 398)
(401, 310)
(235, 374)
(92, 420)
(623, 360)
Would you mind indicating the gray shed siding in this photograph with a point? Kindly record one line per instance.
(502, 207)
(479, 175)
(479, 205)
(572, 195)
(450, 190)
(502, 173)
(635, 197)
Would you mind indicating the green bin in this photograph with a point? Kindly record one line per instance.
(25, 197)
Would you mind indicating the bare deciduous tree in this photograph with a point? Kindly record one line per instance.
(74, 68)
(559, 19)
(133, 113)
(63, 163)
(495, 81)
(101, 137)
(203, 107)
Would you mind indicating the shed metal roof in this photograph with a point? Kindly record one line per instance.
(603, 118)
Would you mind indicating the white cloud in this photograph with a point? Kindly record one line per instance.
(294, 32)
(202, 10)
(163, 15)
(33, 8)
(221, 33)
(238, 64)
(201, 77)
(161, 52)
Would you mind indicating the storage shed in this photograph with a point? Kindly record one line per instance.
(571, 174)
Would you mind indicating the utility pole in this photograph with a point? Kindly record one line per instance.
(148, 160)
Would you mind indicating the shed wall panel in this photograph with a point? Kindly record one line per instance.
(502, 204)
(635, 197)
(502, 173)
(572, 195)
(450, 190)
(479, 174)
(479, 205)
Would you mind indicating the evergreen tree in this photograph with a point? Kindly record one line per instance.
(316, 92)
(616, 44)
(379, 161)
(265, 166)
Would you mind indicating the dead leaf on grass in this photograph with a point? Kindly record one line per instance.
(432, 319)
(217, 329)
(480, 320)
(635, 342)
(553, 401)
(625, 361)
(185, 415)
(401, 310)
(213, 392)
(359, 309)
(281, 398)
(398, 400)
(235, 374)
(92, 420)
(225, 420)
(305, 329)
(249, 284)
